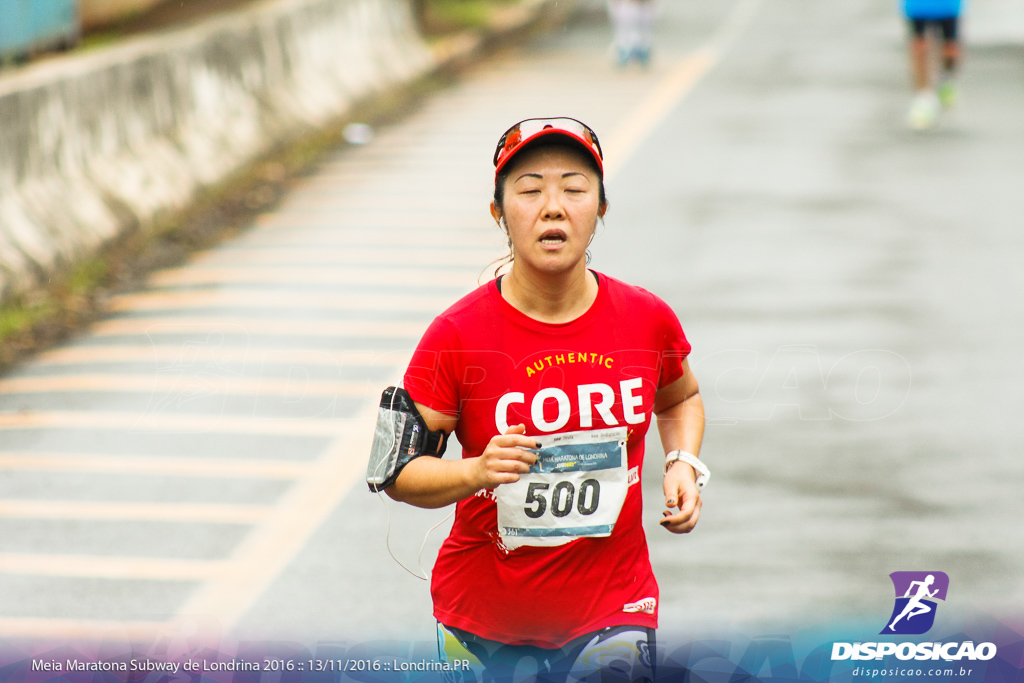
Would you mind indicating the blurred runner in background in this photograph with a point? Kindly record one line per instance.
(634, 29)
(935, 17)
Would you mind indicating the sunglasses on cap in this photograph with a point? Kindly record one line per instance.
(525, 132)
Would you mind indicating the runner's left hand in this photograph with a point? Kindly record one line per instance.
(681, 492)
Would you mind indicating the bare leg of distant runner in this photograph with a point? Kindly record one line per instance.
(919, 67)
(925, 106)
(950, 63)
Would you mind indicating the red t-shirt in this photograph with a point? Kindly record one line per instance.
(627, 345)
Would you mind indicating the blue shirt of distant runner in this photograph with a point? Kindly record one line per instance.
(932, 9)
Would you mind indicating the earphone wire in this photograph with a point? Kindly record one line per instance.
(425, 576)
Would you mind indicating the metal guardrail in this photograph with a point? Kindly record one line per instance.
(31, 26)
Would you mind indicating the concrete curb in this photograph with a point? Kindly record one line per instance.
(103, 144)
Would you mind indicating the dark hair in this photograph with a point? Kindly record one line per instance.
(549, 141)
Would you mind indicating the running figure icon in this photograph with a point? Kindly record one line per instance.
(917, 594)
(915, 606)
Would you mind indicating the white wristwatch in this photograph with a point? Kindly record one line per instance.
(703, 473)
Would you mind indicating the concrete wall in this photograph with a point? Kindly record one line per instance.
(106, 142)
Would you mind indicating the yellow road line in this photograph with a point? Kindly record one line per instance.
(167, 356)
(330, 226)
(148, 301)
(654, 108)
(674, 88)
(168, 424)
(99, 567)
(210, 513)
(155, 466)
(291, 252)
(272, 545)
(313, 276)
(451, 214)
(86, 629)
(409, 214)
(294, 328)
(329, 185)
(452, 233)
(171, 382)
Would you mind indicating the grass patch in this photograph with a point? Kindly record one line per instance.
(18, 319)
(441, 17)
(95, 41)
(36, 319)
(86, 277)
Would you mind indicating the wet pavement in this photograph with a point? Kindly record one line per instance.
(849, 287)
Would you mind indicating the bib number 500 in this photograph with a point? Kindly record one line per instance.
(563, 496)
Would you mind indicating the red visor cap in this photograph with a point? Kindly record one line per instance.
(524, 133)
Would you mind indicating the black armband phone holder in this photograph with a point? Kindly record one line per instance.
(400, 437)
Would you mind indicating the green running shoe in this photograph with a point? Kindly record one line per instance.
(947, 94)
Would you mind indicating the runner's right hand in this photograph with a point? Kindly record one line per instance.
(505, 458)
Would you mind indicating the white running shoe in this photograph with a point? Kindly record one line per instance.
(923, 111)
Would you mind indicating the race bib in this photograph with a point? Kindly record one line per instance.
(575, 490)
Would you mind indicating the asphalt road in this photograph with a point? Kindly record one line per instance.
(850, 289)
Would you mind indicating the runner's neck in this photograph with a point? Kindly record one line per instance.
(550, 304)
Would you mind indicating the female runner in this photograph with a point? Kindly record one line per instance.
(549, 376)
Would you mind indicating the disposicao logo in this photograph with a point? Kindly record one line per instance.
(916, 593)
(914, 614)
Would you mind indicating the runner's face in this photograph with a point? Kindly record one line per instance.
(551, 207)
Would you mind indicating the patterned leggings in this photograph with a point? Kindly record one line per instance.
(618, 654)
